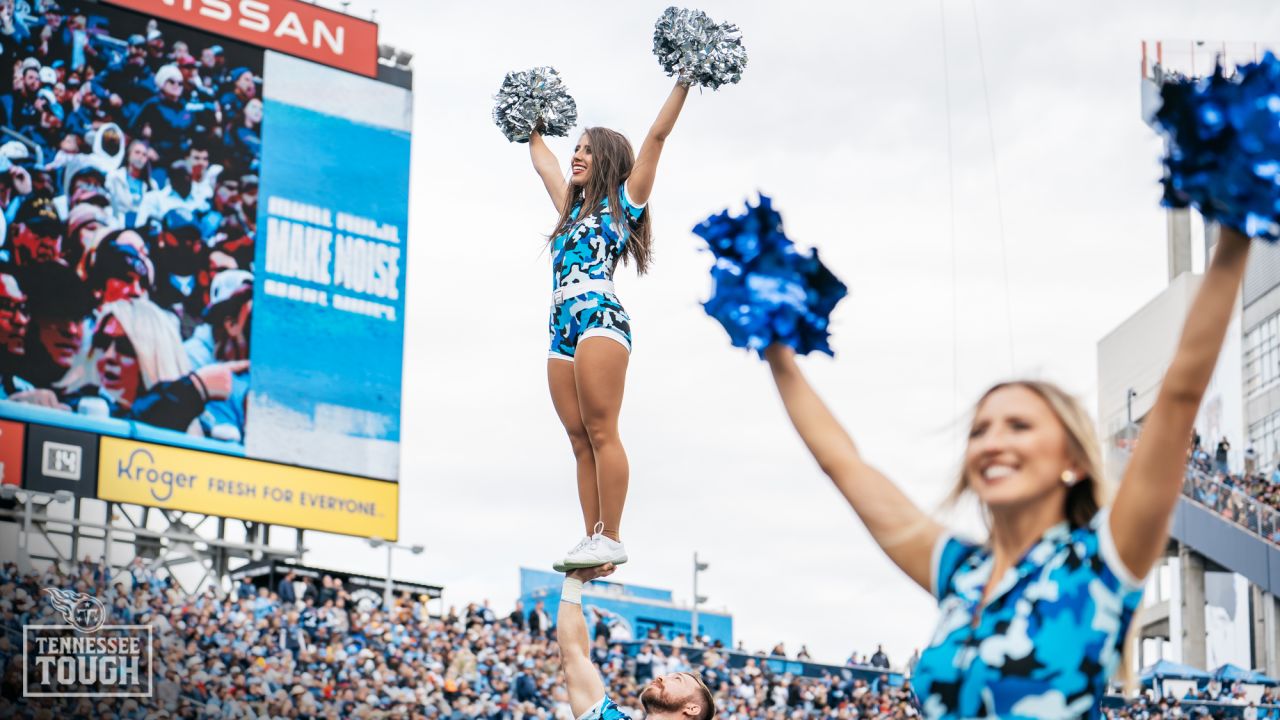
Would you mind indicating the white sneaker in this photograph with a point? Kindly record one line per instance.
(598, 551)
(559, 565)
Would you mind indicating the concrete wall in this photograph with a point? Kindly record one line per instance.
(1136, 354)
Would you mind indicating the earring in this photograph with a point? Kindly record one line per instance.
(1068, 478)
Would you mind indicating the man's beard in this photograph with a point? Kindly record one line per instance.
(655, 701)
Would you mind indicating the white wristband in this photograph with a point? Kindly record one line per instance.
(572, 591)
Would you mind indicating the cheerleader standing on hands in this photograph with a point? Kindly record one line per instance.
(604, 218)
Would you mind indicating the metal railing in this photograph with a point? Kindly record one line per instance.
(1232, 504)
(771, 664)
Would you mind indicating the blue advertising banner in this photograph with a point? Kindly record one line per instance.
(329, 291)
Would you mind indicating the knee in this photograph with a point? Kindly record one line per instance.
(601, 433)
(580, 441)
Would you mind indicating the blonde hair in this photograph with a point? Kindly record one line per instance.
(1092, 491)
(154, 334)
(1086, 497)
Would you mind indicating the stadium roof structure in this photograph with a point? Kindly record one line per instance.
(267, 573)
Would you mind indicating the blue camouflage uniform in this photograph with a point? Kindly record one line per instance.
(606, 709)
(589, 249)
(1048, 639)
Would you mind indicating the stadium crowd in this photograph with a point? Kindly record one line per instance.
(1214, 702)
(1250, 498)
(128, 211)
(249, 654)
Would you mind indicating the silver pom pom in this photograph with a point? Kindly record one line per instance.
(698, 50)
(532, 100)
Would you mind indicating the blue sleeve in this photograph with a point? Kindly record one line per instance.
(632, 210)
(606, 709)
(948, 554)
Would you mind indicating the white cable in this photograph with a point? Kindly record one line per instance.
(995, 172)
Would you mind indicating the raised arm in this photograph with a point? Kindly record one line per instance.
(544, 161)
(1153, 480)
(580, 675)
(640, 183)
(905, 533)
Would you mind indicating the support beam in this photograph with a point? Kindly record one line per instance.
(1179, 241)
(1191, 566)
(1271, 623)
(141, 532)
(1258, 626)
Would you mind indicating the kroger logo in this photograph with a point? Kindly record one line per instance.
(140, 466)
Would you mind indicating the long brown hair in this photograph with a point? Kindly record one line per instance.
(611, 161)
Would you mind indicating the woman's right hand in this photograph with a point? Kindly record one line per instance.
(217, 378)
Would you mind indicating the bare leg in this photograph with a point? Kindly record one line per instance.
(601, 372)
(564, 396)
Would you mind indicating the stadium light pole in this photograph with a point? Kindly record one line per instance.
(697, 599)
(376, 542)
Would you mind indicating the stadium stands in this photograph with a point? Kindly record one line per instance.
(246, 654)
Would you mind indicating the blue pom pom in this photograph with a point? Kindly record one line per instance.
(765, 290)
(1224, 147)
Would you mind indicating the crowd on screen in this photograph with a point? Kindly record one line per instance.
(128, 212)
(249, 653)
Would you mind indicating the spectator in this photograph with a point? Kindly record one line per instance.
(118, 268)
(602, 628)
(130, 80)
(249, 203)
(213, 66)
(224, 336)
(87, 223)
(129, 184)
(288, 597)
(233, 102)
(204, 175)
(879, 659)
(37, 232)
(244, 141)
(59, 304)
(86, 184)
(166, 120)
(644, 664)
(13, 329)
(539, 621)
(137, 364)
(20, 105)
(1220, 456)
(176, 195)
(182, 269)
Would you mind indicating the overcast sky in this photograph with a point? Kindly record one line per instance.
(841, 116)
